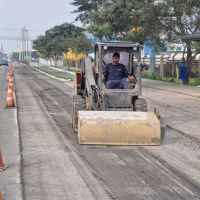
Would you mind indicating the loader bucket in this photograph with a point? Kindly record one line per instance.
(118, 128)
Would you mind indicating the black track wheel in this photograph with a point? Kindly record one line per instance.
(78, 103)
(140, 105)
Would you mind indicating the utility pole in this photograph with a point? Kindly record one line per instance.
(24, 41)
(27, 44)
(152, 61)
(1, 49)
(22, 44)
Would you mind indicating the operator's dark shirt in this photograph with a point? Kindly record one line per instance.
(115, 72)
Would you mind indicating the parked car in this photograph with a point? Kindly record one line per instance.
(3, 61)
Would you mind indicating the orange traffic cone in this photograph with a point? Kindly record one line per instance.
(7, 76)
(1, 196)
(11, 71)
(10, 99)
(2, 166)
(11, 66)
(10, 80)
(11, 86)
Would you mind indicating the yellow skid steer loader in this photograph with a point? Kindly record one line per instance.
(117, 116)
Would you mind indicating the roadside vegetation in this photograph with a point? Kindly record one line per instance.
(61, 39)
(65, 67)
(55, 74)
(156, 23)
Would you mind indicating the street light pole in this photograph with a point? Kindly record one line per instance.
(27, 45)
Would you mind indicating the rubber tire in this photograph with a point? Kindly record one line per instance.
(140, 105)
(78, 103)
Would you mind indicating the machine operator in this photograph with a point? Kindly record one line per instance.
(116, 74)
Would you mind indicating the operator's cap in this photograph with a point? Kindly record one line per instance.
(116, 54)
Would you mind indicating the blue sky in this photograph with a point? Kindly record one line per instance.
(35, 15)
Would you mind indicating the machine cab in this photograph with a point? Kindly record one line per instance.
(130, 56)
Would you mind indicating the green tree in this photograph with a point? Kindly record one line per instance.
(156, 21)
(59, 39)
(65, 30)
(168, 19)
(79, 44)
(107, 19)
(85, 7)
(43, 46)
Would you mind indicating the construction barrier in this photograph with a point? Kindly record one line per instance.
(10, 103)
(7, 76)
(11, 86)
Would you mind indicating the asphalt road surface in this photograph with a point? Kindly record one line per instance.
(56, 167)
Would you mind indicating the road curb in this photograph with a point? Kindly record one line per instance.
(20, 196)
(63, 70)
(59, 79)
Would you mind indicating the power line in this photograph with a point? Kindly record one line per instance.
(36, 30)
(15, 29)
(23, 39)
(3, 37)
(9, 29)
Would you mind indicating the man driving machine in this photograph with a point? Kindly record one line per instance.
(116, 74)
